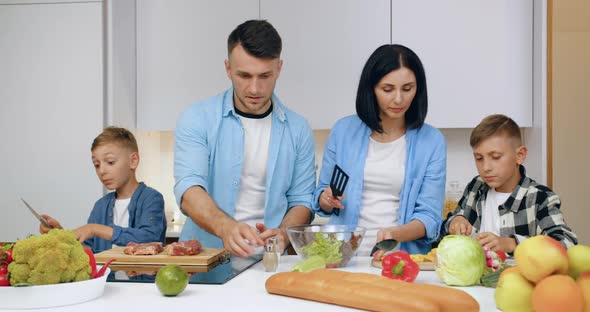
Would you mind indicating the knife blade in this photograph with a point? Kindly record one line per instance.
(38, 216)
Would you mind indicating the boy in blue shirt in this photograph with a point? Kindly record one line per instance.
(502, 206)
(134, 212)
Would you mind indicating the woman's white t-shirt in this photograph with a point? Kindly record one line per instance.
(382, 184)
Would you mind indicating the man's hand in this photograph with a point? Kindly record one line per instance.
(279, 233)
(238, 239)
(51, 221)
(494, 242)
(460, 226)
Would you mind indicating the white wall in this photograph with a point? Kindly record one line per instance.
(51, 108)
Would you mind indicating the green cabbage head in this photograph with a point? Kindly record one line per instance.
(460, 260)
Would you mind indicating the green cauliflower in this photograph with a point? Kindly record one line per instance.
(55, 257)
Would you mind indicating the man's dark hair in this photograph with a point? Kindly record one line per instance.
(258, 37)
(384, 60)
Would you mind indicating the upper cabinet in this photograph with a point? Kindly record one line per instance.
(478, 54)
(478, 57)
(181, 46)
(325, 45)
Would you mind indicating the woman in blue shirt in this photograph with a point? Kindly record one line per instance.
(396, 162)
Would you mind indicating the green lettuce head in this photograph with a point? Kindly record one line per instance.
(460, 260)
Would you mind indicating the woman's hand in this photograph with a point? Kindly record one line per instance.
(383, 234)
(328, 201)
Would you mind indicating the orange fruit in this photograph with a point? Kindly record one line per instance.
(558, 293)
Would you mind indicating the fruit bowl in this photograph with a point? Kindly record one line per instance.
(337, 244)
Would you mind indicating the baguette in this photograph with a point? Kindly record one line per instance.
(369, 292)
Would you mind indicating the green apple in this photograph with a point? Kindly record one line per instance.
(579, 260)
(514, 292)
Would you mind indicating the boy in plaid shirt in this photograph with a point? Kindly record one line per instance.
(502, 206)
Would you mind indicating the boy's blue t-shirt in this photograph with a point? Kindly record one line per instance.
(147, 222)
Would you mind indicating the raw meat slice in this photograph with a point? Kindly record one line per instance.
(186, 248)
(152, 248)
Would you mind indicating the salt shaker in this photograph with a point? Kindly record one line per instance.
(275, 242)
(270, 259)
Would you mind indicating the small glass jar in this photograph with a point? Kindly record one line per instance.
(270, 259)
(275, 242)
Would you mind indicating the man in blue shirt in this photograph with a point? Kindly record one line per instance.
(243, 162)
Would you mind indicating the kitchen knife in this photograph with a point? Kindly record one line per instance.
(38, 216)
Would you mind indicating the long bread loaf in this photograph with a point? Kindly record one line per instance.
(369, 292)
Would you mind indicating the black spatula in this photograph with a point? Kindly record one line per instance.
(338, 184)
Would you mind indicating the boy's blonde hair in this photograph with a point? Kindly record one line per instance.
(495, 125)
(120, 136)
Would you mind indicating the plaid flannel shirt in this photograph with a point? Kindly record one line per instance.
(531, 209)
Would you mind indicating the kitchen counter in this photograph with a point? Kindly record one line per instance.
(245, 292)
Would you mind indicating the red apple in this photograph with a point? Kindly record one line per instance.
(540, 256)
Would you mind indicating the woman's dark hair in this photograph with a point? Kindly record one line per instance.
(384, 60)
(258, 37)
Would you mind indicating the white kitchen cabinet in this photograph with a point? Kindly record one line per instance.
(181, 46)
(325, 45)
(478, 56)
(51, 108)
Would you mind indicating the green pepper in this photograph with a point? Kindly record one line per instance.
(399, 265)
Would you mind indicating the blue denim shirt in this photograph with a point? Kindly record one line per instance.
(209, 149)
(423, 189)
(147, 222)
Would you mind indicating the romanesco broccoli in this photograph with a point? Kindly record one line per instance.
(55, 257)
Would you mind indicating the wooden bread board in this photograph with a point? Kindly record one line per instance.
(206, 257)
(424, 266)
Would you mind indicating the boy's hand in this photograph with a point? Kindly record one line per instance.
(460, 226)
(494, 242)
(84, 232)
(51, 221)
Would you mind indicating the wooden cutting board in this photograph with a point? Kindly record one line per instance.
(204, 258)
(424, 266)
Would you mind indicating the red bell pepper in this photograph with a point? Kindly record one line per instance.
(399, 265)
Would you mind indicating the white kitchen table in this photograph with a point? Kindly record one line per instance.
(244, 292)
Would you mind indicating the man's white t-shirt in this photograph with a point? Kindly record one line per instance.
(252, 192)
(382, 184)
(490, 216)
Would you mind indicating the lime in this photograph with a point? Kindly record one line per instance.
(171, 280)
